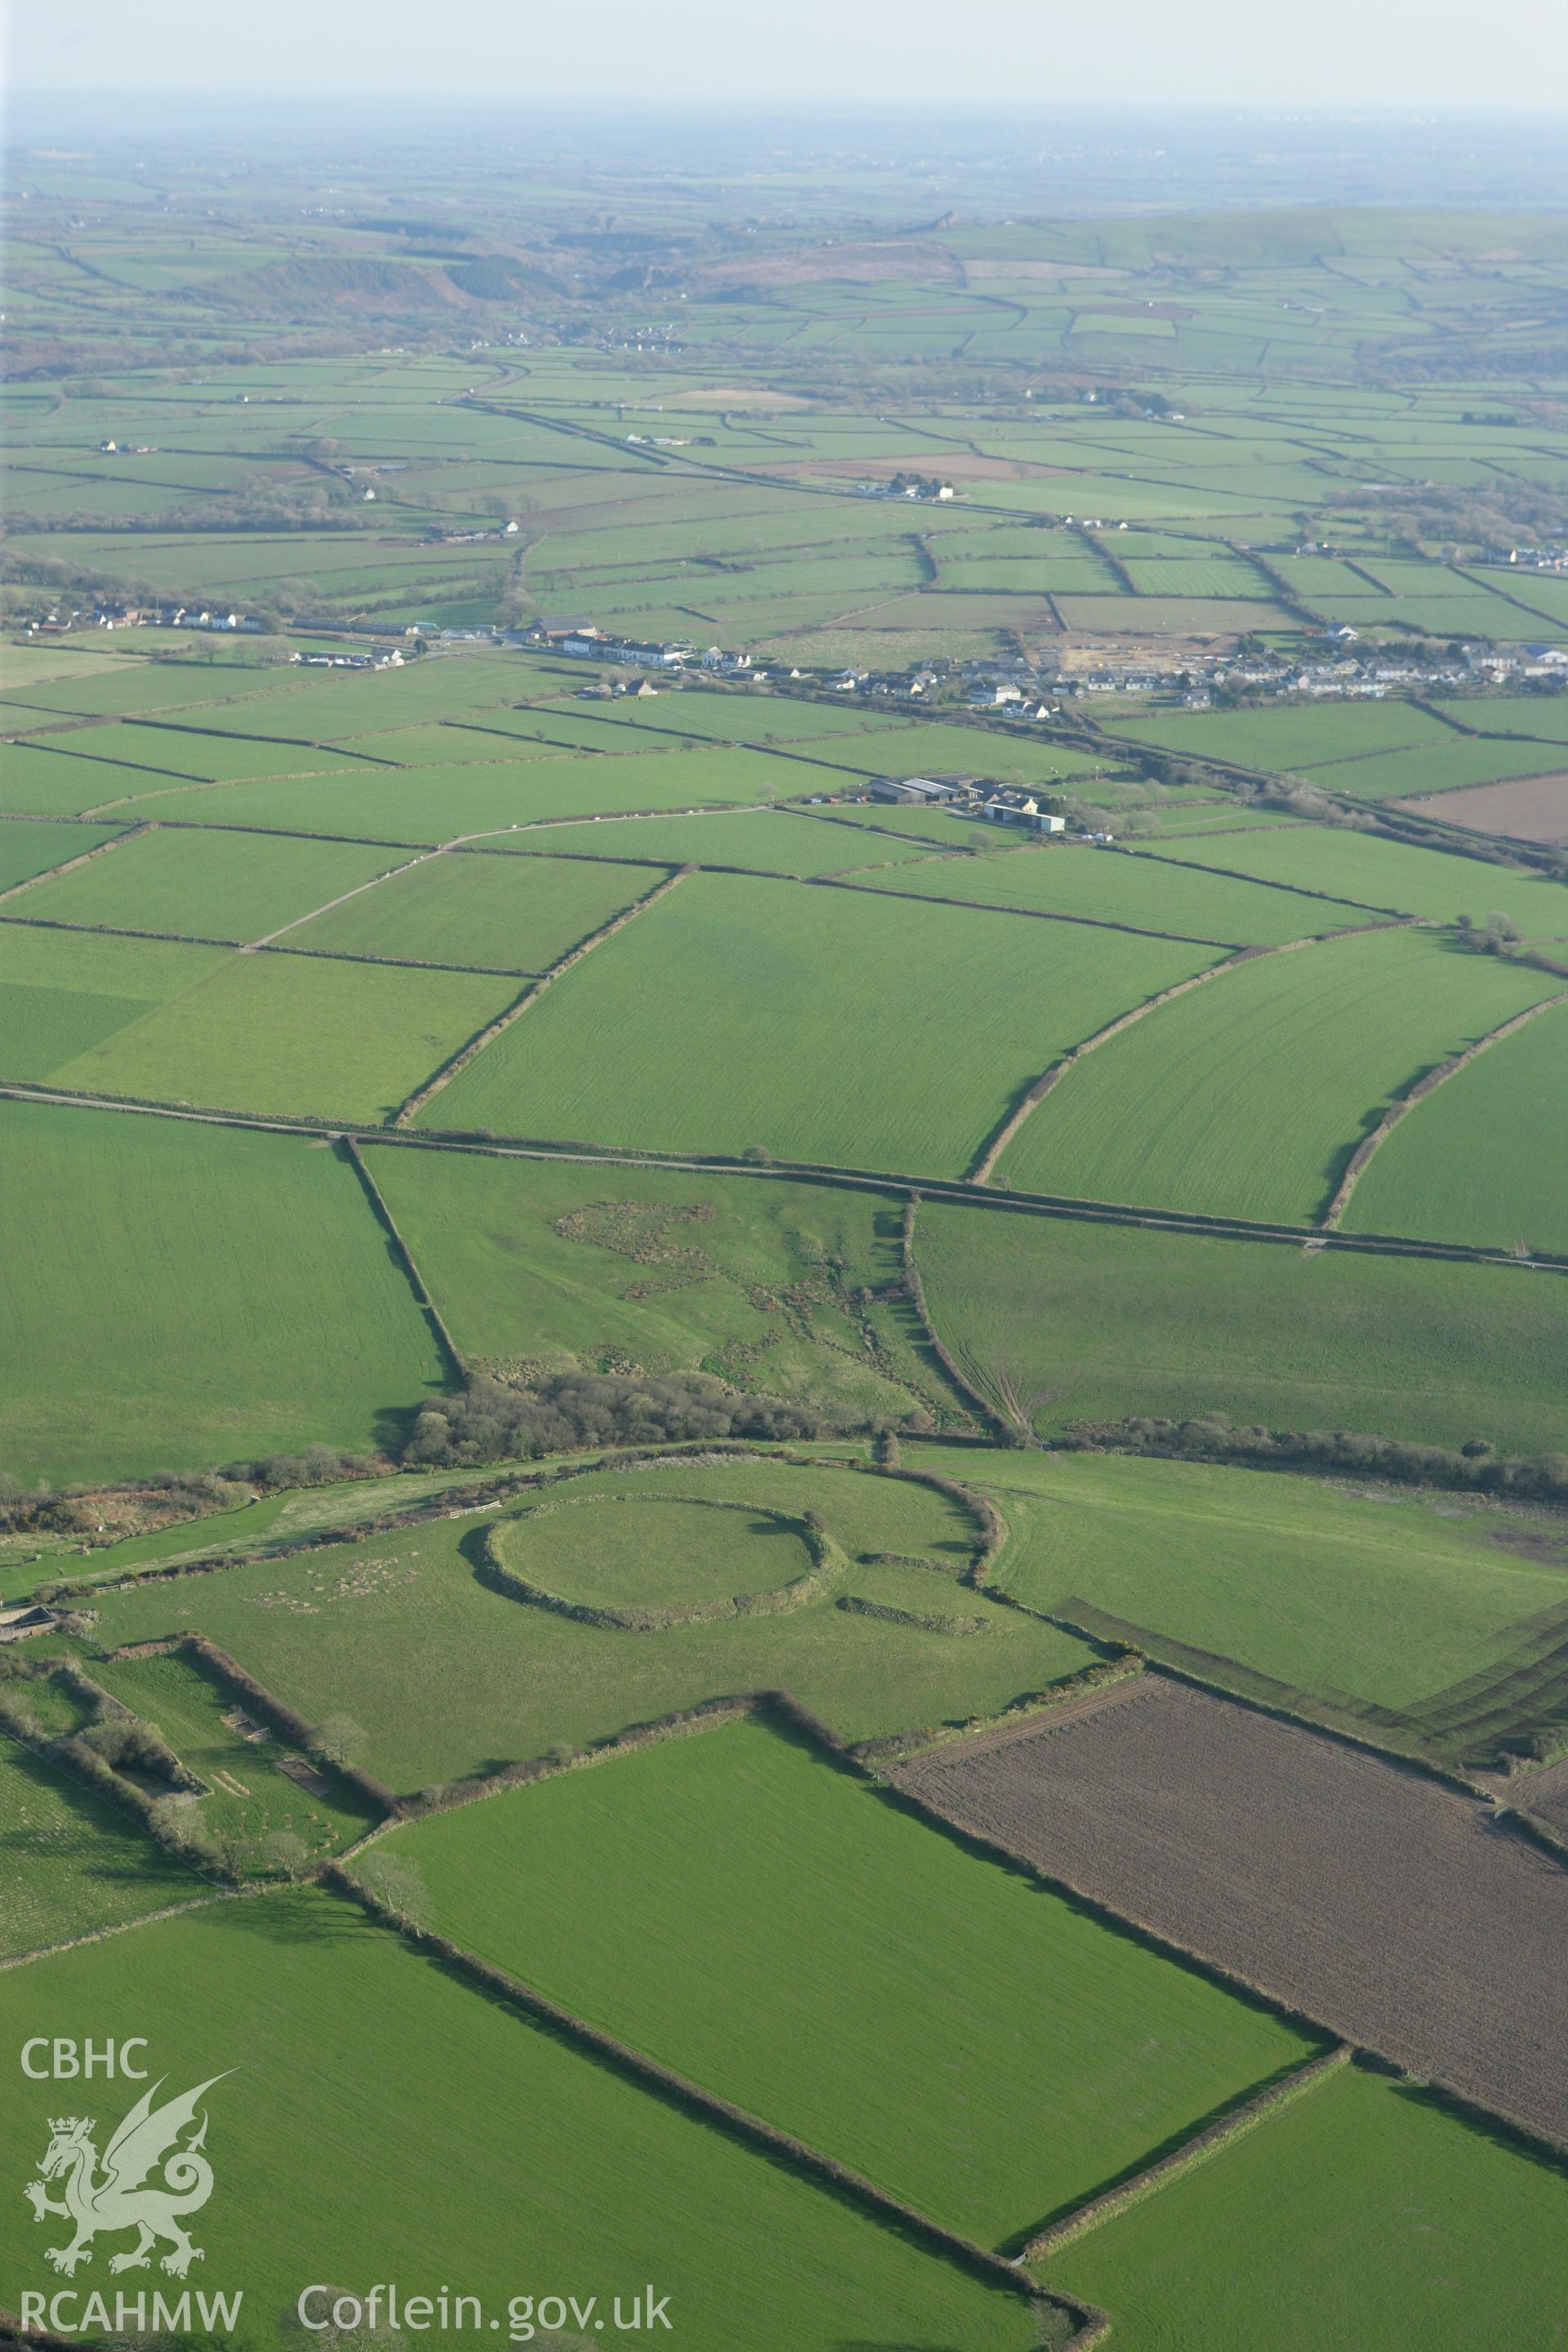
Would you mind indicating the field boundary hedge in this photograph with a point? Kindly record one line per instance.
(845, 881)
(964, 1191)
(1330, 1715)
(101, 1935)
(919, 1620)
(408, 1111)
(903, 1746)
(1187, 2158)
(1418, 1093)
(1262, 882)
(423, 1294)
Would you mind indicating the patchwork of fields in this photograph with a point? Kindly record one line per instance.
(744, 1013)
(796, 1553)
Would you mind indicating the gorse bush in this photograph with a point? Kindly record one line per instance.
(492, 1423)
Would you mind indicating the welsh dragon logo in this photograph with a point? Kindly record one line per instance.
(143, 2143)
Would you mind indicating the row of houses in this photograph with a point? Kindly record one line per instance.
(60, 622)
(384, 658)
(585, 641)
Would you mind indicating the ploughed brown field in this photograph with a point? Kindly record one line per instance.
(1528, 808)
(1394, 1909)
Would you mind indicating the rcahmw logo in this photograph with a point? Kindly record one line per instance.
(153, 2177)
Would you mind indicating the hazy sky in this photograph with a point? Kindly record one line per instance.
(1361, 53)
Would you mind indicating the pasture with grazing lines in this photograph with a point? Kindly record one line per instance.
(1392, 875)
(32, 846)
(62, 994)
(759, 841)
(491, 911)
(1344, 1604)
(1246, 1097)
(1106, 888)
(449, 803)
(793, 1287)
(739, 1014)
(218, 886)
(302, 1036)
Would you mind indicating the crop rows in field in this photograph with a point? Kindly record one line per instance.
(1246, 1097)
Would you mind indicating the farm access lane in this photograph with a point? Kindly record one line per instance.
(958, 1191)
(1379, 1901)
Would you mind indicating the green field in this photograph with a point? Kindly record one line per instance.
(798, 1945)
(172, 755)
(62, 992)
(1299, 738)
(1060, 1320)
(1348, 1601)
(1236, 434)
(1364, 2214)
(1482, 1158)
(448, 1676)
(742, 1013)
(179, 1296)
(73, 1864)
(502, 914)
(192, 882)
(57, 783)
(31, 845)
(442, 804)
(298, 1035)
(540, 2171)
(1104, 887)
(789, 1289)
(943, 747)
(757, 840)
(1390, 875)
(1430, 770)
(1191, 1109)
